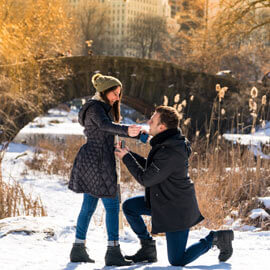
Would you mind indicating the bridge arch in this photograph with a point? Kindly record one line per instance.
(145, 83)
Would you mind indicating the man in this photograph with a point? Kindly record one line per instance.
(169, 195)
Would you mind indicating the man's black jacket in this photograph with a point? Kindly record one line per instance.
(169, 191)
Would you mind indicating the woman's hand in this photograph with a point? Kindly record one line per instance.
(134, 130)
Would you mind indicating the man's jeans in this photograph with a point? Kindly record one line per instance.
(178, 255)
(88, 208)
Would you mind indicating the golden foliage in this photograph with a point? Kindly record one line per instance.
(33, 29)
(29, 32)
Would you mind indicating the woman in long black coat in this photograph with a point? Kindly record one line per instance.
(94, 168)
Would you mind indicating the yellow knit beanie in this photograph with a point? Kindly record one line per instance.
(102, 82)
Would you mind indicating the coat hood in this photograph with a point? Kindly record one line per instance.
(95, 99)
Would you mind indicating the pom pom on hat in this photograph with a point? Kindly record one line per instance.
(102, 82)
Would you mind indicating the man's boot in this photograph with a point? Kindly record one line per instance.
(147, 252)
(79, 254)
(223, 240)
(114, 257)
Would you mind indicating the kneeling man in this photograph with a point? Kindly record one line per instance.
(170, 197)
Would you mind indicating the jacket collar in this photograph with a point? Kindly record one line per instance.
(161, 137)
(104, 103)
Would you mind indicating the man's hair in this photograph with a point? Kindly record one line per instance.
(168, 116)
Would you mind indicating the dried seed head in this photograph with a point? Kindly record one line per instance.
(179, 108)
(225, 88)
(184, 103)
(191, 98)
(254, 115)
(219, 137)
(197, 133)
(223, 111)
(207, 135)
(218, 87)
(187, 121)
(264, 100)
(254, 92)
(252, 105)
(221, 94)
(165, 101)
(177, 98)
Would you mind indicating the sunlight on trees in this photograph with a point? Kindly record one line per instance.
(30, 31)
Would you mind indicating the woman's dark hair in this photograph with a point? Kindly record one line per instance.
(116, 105)
(168, 116)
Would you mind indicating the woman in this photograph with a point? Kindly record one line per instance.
(94, 168)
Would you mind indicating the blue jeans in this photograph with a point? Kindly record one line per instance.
(178, 255)
(88, 208)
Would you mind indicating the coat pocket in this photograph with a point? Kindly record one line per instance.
(158, 197)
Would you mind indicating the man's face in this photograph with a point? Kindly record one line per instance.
(155, 126)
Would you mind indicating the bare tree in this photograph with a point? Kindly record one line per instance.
(236, 37)
(250, 14)
(146, 35)
(91, 22)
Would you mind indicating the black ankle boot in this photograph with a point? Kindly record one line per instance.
(79, 254)
(114, 257)
(223, 240)
(147, 253)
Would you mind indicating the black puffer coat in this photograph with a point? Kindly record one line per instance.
(94, 169)
(169, 191)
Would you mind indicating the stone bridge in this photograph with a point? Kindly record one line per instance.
(145, 83)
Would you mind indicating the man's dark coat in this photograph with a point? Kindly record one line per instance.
(94, 169)
(169, 191)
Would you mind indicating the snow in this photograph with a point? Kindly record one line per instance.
(33, 243)
(247, 139)
(253, 141)
(259, 212)
(60, 124)
(265, 201)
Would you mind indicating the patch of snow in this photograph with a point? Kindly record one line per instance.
(265, 201)
(259, 212)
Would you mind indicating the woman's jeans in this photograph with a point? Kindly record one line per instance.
(88, 208)
(178, 255)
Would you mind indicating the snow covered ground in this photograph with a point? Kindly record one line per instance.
(253, 141)
(28, 243)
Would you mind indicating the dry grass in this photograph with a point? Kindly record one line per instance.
(226, 177)
(14, 201)
(56, 158)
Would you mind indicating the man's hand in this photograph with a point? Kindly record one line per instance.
(120, 152)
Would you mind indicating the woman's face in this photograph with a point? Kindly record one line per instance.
(114, 95)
